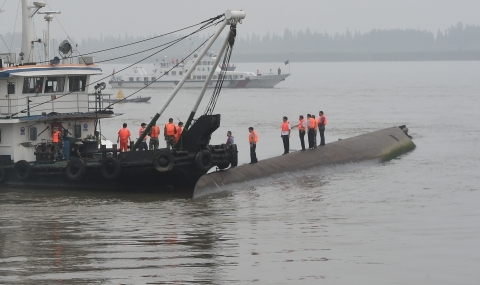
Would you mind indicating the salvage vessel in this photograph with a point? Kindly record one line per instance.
(43, 95)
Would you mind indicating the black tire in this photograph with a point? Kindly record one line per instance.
(223, 166)
(234, 153)
(23, 170)
(204, 160)
(110, 168)
(163, 161)
(3, 175)
(75, 169)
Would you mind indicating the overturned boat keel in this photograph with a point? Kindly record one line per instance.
(380, 145)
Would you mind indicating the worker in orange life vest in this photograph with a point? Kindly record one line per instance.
(179, 132)
(322, 122)
(123, 138)
(154, 133)
(302, 126)
(143, 144)
(169, 134)
(56, 141)
(315, 129)
(311, 130)
(253, 139)
(285, 135)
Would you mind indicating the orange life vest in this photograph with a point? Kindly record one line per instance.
(312, 123)
(170, 129)
(56, 137)
(300, 124)
(124, 133)
(324, 120)
(285, 126)
(179, 132)
(253, 137)
(155, 132)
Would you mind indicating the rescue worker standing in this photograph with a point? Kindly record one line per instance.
(311, 130)
(123, 138)
(56, 141)
(253, 139)
(179, 132)
(285, 135)
(143, 144)
(315, 129)
(154, 133)
(169, 133)
(302, 126)
(322, 122)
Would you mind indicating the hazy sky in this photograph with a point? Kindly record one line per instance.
(92, 18)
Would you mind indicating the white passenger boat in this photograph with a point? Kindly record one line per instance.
(167, 74)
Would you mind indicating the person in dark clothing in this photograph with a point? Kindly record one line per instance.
(322, 122)
(285, 134)
(311, 131)
(302, 126)
(253, 139)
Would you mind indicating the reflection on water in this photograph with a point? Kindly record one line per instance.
(413, 220)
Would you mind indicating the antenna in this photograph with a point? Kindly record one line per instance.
(48, 17)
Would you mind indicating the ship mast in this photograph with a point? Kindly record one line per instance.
(28, 11)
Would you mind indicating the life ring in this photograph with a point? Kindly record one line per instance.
(163, 161)
(234, 153)
(204, 160)
(75, 169)
(23, 170)
(3, 175)
(110, 168)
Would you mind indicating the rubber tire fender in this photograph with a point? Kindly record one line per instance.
(71, 165)
(163, 161)
(204, 160)
(234, 153)
(23, 170)
(3, 175)
(106, 164)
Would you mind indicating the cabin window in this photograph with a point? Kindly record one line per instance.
(54, 84)
(174, 73)
(145, 79)
(130, 79)
(214, 77)
(32, 85)
(202, 63)
(138, 78)
(153, 78)
(204, 77)
(229, 77)
(166, 73)
(180, 73)
(77, 83)
(11, 87)
(33, 133)
(235, 77)
(241, 76)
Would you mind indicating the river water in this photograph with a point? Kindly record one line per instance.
(413, 220)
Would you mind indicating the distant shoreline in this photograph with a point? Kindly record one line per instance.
(342, 57)
(353, 57)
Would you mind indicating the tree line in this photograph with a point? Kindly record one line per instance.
(457, 42)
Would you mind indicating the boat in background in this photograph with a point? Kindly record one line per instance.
(167, 74)
(121, 99)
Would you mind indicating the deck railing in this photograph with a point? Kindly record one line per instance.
(42, 104)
